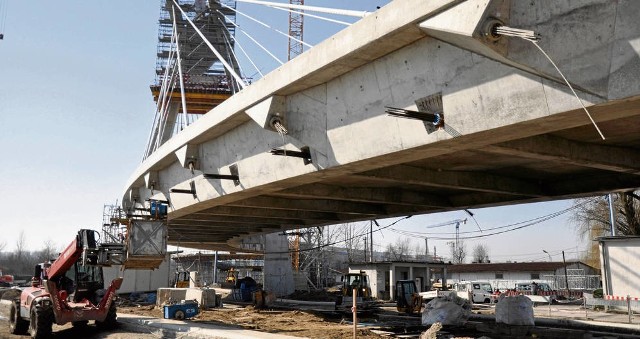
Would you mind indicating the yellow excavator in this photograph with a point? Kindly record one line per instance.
(408, 300)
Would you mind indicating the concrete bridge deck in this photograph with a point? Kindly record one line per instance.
(513, 132)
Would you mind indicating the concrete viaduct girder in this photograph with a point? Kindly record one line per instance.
(513, 132)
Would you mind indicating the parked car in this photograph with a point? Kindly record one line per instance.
(474, 291)
(526, 287)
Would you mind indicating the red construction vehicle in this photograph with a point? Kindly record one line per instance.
(6, 280)
(69, 289)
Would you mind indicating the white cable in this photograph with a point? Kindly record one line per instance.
(531, 37)
(256, 42)
(241, 49)
(571, 87)
(160, 99)
(182, 90)
(233, 54)
(345, 12)
(213, 49)
(267, 26)
(312, 16)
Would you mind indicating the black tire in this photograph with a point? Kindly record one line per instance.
(111, 321)
(178, 315)
(41, 323)
(17, 325)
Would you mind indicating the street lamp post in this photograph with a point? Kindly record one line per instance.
(545, 251)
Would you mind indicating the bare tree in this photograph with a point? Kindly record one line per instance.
(49, 251)
(417, 251)
(2, 245)
(458, 253)
(350, 237)
(399, 251)
(20, 244)
(592, 220)
(480, 253)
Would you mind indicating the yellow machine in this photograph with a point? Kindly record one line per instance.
(181, 279)
(232, 276)
(407, 298)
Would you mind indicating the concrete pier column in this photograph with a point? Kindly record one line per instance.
(278, 274)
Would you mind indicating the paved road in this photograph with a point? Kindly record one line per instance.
(90, 332)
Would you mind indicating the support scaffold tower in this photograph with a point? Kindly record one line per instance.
(206, 82)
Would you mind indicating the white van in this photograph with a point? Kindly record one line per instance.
(474, 291)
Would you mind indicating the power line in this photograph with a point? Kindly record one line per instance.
(523, 224)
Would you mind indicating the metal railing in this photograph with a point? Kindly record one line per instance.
(628, 303)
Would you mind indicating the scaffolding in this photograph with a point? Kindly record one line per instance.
(114, 224)
(206, 82)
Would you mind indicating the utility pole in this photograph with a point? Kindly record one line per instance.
(426, 249)
(371, 241)
(566, 279)
(365, 249)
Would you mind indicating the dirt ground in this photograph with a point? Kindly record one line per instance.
(293, 323)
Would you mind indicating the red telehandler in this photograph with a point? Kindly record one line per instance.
(69, 289)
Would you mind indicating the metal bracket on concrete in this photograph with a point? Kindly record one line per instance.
(270, 113)
(233, 176)
(188, 157)
(429, 111)
(151, 180)
(192, 190)
(304, 153)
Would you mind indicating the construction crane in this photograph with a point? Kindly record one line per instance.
(296, 30)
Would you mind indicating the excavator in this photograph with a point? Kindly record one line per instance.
(69, 289)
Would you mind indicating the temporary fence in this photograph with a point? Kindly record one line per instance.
(628, 303)
(576, 282)
(564, 293)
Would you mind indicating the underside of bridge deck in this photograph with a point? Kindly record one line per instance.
(564, 164)
(513, 132)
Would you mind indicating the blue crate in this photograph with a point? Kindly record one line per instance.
(187, 310)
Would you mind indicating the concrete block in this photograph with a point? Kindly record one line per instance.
(206, 298)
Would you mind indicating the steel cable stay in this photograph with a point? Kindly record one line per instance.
(312, 15)
(345, 12)
(4, 9)
(232, 56)
(151, 144)
(267, 26)
(255, 41)
(236, 42)
(226, 65)
(533, 38)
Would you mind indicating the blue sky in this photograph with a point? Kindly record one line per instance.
(75, 112)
